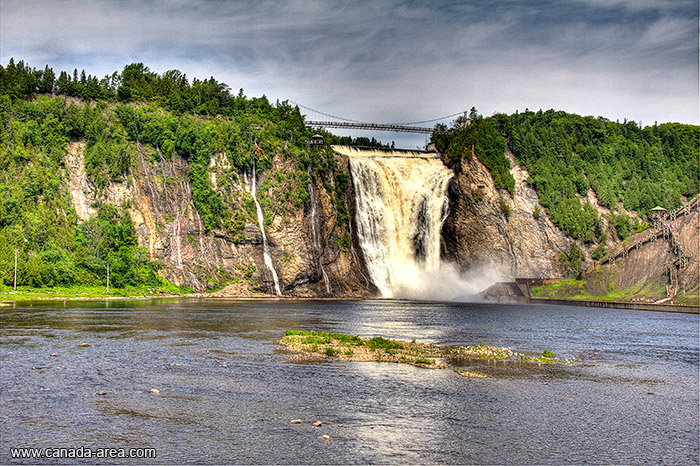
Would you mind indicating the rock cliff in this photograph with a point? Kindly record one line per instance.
(310, 245)
(486, 227)
(314, 248)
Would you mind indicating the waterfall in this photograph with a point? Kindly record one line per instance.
(316, 232)
(261, 223)
(401, 204)
(315, 235)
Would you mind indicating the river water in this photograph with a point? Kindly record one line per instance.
(228, 392)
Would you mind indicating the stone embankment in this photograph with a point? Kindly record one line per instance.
(620, 305)
(656, 269)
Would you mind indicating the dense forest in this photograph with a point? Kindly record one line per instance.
(568, 155)
(138, 111)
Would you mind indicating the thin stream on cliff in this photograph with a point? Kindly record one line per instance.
(315, 232)
(261, 223)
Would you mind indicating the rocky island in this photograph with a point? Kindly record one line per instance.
(315, 346)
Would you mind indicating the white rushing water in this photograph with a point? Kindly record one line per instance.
(401, 201)
(261, 223)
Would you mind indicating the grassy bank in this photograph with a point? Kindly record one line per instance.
(84, 292)
(579, 290)
(310, 346)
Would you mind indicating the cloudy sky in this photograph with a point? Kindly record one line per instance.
(388, 61)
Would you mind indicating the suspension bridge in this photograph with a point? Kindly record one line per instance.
(345, 123)
(369, 126)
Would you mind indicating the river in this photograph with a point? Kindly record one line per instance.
(227, 392)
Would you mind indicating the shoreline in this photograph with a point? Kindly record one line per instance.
(7, 301)
(619, 305)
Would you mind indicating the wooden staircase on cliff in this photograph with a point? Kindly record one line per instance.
(659, 230)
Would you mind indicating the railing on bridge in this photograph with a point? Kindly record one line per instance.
(370, 126)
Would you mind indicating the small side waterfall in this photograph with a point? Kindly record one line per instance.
(401, 204)
(316, 232)
(261, 223)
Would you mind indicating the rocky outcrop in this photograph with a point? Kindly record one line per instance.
(487, 227)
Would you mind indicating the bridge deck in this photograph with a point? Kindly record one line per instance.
(370, 126)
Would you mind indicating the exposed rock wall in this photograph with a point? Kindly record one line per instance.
(486, 227)
(314, 249)
(158, 197)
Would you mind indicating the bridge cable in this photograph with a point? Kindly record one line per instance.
(388, 124)
(427, 121)
(323, 113)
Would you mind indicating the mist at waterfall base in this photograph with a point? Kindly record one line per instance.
(401, 204)
(447, 283)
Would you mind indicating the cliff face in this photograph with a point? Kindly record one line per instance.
(309, 245)
(486, 227)
(314, 249)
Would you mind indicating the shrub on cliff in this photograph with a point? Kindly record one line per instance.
(481, 138)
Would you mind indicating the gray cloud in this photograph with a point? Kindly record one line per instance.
(389, 60)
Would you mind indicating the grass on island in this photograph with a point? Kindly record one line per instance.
(314, 345)
(310, 345)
